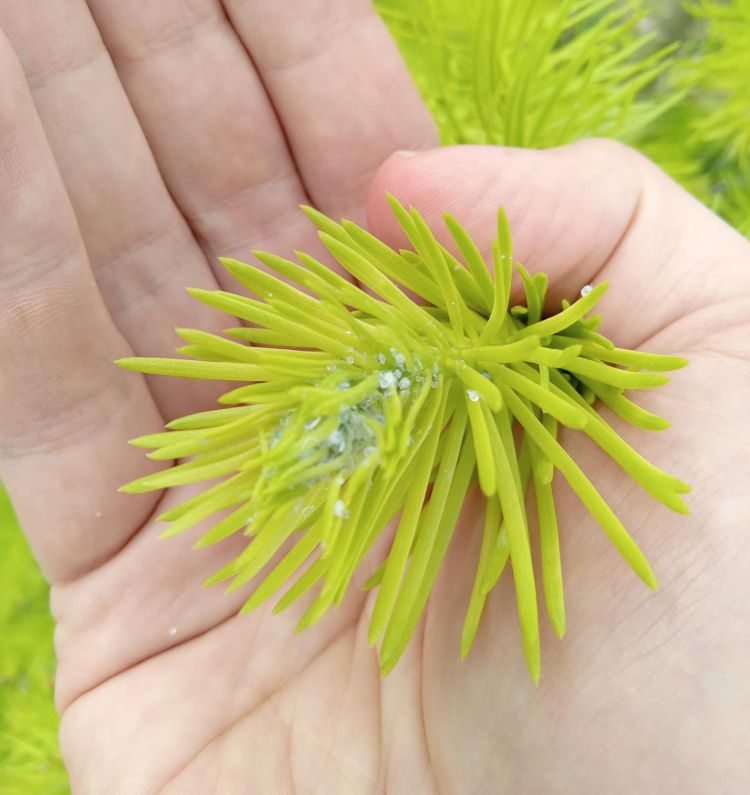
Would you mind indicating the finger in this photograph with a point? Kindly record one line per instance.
(209, 122)
(587, 212)
(66, 410)
(141, 250)
(341, 89)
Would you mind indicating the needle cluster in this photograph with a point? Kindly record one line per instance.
(362, 408)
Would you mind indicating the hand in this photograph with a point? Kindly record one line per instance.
(648, 692)
(139, 141)
(162, 688)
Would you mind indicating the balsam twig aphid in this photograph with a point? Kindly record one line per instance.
(363, 407)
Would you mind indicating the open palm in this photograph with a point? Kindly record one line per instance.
(148, 138)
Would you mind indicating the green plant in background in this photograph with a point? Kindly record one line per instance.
(720, 74)
(542, 73)
(718, 78)
(492, 72)
(704, 140)
(29, 757)
(539, 73)
(360, 411)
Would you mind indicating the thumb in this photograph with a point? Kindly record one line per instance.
(583, 213)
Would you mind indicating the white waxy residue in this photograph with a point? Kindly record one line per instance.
(388, 379)
(399, 358)
(337, 441)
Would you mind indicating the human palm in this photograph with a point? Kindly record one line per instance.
(119, 186)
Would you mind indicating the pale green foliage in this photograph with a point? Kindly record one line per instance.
(362, 410)
(544, 73)
(720, 77)
(29, 757)
(538, 73)
(715, 72)
(704, 141)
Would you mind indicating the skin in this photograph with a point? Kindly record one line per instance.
(138, 141)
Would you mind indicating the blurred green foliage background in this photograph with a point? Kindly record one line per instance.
(671, 79)
(29, 755)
